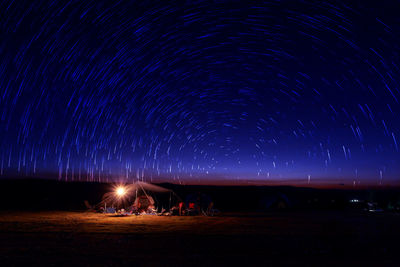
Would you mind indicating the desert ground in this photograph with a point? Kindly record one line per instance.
(61, 238)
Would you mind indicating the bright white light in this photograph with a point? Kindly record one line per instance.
(120, 191)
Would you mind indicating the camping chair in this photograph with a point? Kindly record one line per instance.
(210, 211)
(193, 209)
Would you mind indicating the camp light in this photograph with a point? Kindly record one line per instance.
(120, 191)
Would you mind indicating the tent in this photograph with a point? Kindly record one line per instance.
(141, 197)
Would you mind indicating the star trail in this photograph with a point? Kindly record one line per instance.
(194, 91)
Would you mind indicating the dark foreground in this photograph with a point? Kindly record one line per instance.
(89, 239)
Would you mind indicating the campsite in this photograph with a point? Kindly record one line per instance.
(47, 223)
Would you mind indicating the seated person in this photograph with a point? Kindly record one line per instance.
(151, 209)
(182, 208)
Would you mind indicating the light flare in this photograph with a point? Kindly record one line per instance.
(120, 191)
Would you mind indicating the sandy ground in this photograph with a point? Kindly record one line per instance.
(89, 239)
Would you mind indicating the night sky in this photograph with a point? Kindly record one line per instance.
(286, 92)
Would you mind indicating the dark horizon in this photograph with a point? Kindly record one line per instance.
(297, 183)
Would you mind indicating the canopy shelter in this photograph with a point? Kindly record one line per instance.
(140, 197)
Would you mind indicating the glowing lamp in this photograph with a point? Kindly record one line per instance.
(120, 191)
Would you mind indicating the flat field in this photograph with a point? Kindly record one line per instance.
(89, 239)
